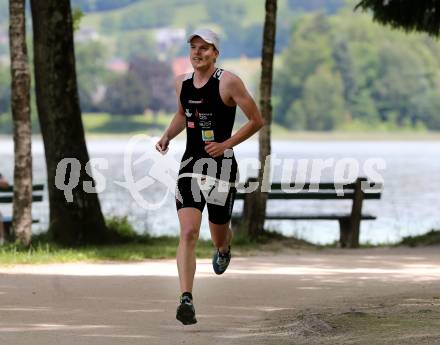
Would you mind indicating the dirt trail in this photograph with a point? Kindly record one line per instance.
(367, 296)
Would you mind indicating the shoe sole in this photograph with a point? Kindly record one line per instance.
(185, 314)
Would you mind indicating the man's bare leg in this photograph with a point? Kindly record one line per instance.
(190, 219)
(221, 235)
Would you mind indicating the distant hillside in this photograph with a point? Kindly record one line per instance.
(329, 6)
(182, 13)
(100, 5)
(238, 22)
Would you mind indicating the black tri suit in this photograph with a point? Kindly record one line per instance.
(202, 178)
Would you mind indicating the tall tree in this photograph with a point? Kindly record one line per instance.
(80, 221)
(422, 15)
(256, 214)
(20, 104)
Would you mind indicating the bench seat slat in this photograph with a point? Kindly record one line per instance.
(7, 199)
(322, 186)
(313, 186)
(290, 216)
(35, 188)
(8, 220)
(313, 196)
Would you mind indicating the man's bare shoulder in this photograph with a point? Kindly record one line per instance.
(231, 79)
(230, 76)
(182, 77)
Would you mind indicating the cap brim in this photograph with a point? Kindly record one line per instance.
(203, 38)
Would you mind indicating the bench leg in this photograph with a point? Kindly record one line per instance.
(344, 232)
(353, 236)
(348, 234)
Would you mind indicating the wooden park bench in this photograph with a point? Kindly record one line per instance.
(349, 222)
(6, 197)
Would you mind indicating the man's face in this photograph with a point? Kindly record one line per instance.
(202, 54)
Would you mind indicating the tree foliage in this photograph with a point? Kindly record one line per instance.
(344, 69)
(91, 73)
(5, 90)
(420, 15)
(125, 95)
(148, 84)
(143, 15)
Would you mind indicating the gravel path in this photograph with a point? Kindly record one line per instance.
(253, 303)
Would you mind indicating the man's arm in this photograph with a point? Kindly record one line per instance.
(238, 93)
(177, 124)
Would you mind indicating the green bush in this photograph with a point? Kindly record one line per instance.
(119, 230)
(428, 239)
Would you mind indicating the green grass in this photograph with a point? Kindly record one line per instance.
(43, 251)
(47, 252)
(130, 246)
(430, 238)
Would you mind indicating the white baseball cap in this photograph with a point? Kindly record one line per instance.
(207, 35)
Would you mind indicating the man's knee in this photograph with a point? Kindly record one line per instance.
(189, 234)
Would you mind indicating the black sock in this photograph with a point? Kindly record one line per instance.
(188, 294)
(229, 249)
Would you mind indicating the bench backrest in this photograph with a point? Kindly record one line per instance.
(313, 190)
(7, 194)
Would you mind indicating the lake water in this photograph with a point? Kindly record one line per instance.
(409, 203)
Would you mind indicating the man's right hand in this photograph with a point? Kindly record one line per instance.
(162, 145)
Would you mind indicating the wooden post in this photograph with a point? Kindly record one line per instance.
(344, 229)
(356, 214)
(248, 204)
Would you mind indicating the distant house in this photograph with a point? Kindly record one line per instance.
(117, 65)
(4, 39)
(169, 37)
(85, 34)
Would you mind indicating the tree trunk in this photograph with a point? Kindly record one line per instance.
(20, 104)
(255, 218)
(80, 221)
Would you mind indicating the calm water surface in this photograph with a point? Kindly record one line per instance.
(409, 204)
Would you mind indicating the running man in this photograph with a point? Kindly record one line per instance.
(207, 102)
